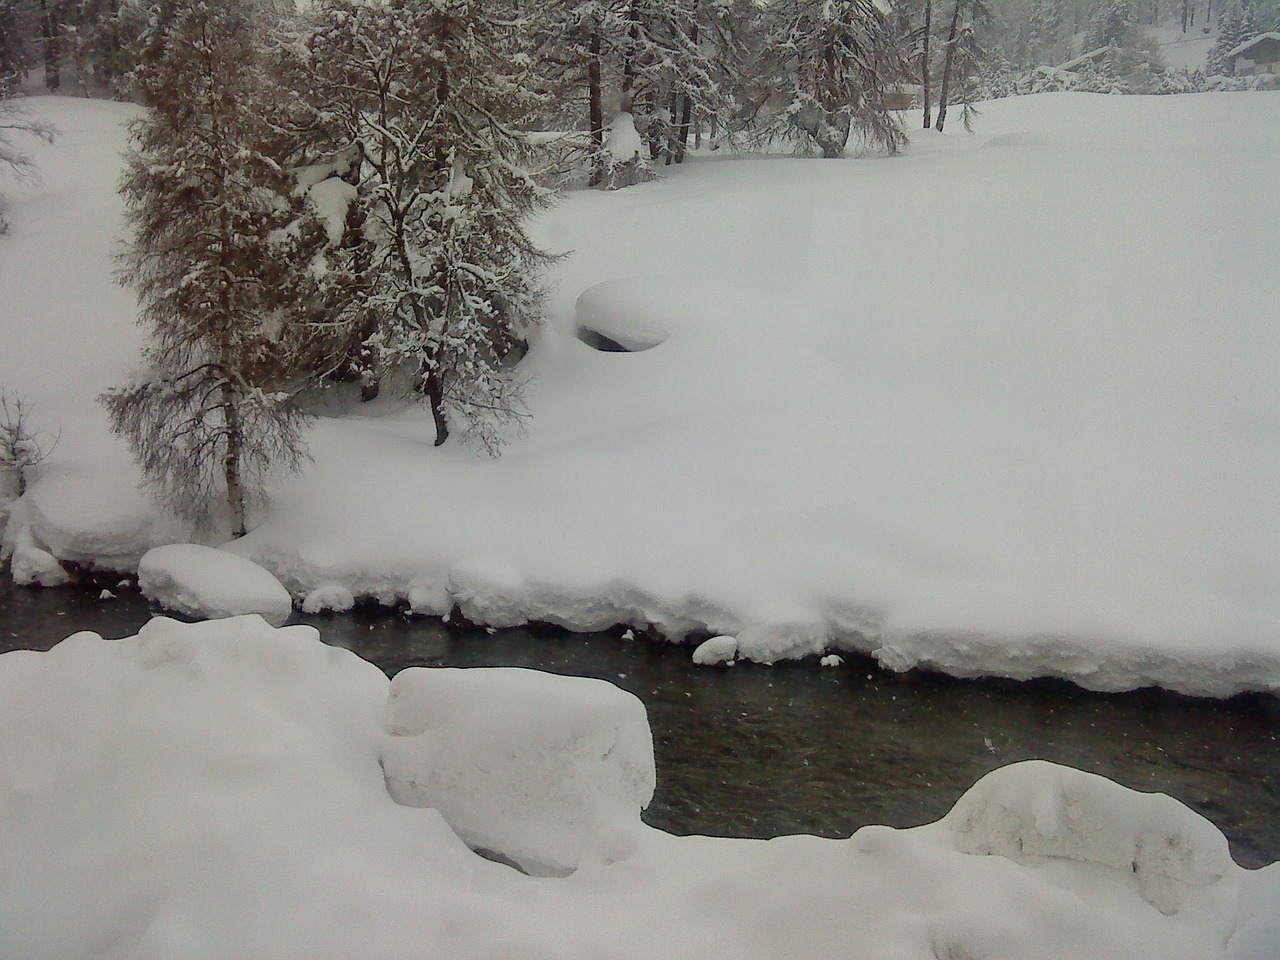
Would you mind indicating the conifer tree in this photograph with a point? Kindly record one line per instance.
(431, 94)
(831, 62)
(218, 254)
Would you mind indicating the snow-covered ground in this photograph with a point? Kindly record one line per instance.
(224, 790)
(1006, 404)
(1185, 51)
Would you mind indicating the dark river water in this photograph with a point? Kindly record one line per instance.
(757, 751)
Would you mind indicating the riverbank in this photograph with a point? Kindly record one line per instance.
(224, 789)
(998, 407)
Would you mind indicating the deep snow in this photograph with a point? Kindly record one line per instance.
(222, 790)
(1005, 405)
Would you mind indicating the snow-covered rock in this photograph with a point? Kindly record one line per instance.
(206, 582)
(1033, 811)
(549, 771)
(722, 649)
(328, 597)
(32, 565)
(618, 315)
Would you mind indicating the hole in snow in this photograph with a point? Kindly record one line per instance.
(615, 342)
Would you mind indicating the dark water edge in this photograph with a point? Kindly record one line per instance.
(755, 751)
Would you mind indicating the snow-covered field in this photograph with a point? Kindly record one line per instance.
(1006, 404)
(225, 790)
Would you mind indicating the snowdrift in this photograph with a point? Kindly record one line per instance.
(1004, 405)
(225, 790)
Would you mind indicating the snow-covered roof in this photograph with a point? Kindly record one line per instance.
(1249, 44)
(1085, 57)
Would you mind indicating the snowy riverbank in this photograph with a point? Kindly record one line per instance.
(225, 789)
(1003, 405)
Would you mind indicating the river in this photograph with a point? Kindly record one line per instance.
(755, 751)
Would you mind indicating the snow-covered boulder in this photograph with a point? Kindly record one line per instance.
(715, 651)
(329, 597)
(1033, 811)
(621, 315)
(549, 771)
(209, 583)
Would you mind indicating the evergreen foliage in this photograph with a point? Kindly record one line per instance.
(823, 73)
(432, 94)
(219, 256)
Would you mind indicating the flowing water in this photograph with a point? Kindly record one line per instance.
(754, 751)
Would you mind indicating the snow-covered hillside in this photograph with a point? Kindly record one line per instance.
(1006, 404)
(224, 790)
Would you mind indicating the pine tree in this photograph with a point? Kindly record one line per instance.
(831, 62)
(961, 58)
(1236, 24)
(432, 93)
(218, 255)
(1109, 27)
(669, 63)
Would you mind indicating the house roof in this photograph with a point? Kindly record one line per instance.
(1249, 44)
(1085, 57)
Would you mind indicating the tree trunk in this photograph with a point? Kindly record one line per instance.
(1184, 15)
(924, 66)
(686, 107)
(946, 67)
(629, 58)
(435, 395)
(231, 459)
(51, 29)
(596, 108)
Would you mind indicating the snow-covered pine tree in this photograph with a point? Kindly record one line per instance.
(18, 30)
(1235, 26)
(830, 63)
(670, 63)
(15, 123)
(432, 93)
(1109, 26)
(219, 254)
(961, 58)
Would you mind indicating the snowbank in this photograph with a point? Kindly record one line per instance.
(990, 411)
(214, 790)
(551, 772)
(205, 582)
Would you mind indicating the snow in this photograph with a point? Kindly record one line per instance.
(549, 771)
(1035, 811)
(214, 790)
(715, 651)
(1250, 43)
(622, 139)
(328, 597)
(831, 660)
(1002, 405)
(206, 582)
(1185, 51)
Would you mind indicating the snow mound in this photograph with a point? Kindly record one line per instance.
(715, 651)
(212, 791)
(619, 316)
(209, 583)
(551, 772)
(329, 597)
(30, 564)
(1035, 810)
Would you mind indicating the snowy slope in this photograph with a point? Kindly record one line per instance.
(223, 790)
(1003, 405)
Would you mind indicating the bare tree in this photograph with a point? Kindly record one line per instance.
(22, 446)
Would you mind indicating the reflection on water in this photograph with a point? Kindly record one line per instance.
(757, 751)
